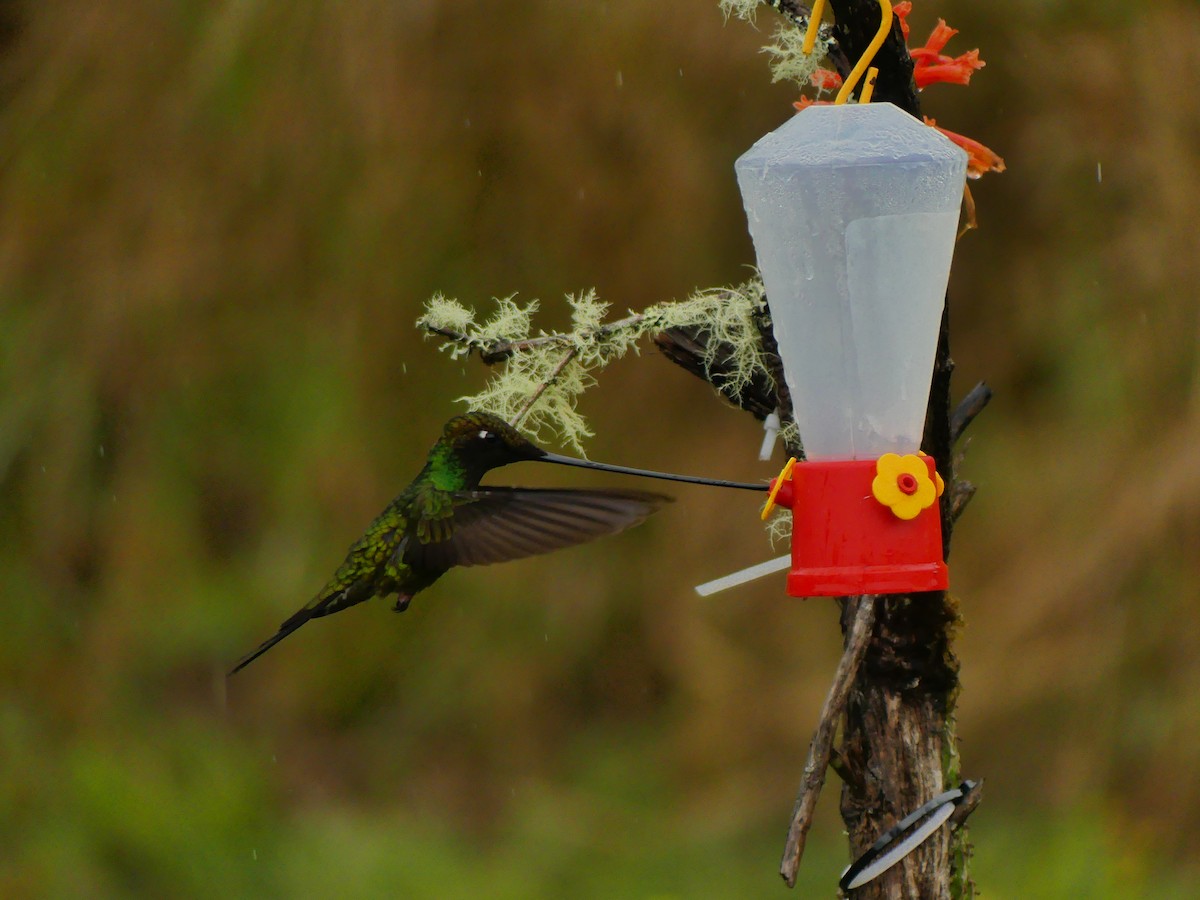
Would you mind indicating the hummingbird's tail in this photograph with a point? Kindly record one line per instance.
(285, 629)
(320, 607)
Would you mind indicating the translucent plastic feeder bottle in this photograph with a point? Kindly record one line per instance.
(853, 211)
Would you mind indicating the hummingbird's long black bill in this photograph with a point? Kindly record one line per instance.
(646, 473)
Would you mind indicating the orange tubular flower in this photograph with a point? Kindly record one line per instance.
(823, 80)
(980, 159)
(946, 70)
(902, 10)
(931, 66)
(939, 37)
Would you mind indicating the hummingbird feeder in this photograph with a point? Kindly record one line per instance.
(854, 210)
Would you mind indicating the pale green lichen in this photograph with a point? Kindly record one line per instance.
(728, 314)
(509, 319)
(742, 9)
(506, 394)
(779, 527)
(587, 310)
(446, 316)
(789, 62)
(789, 434)
(450, 314)
(564, 363)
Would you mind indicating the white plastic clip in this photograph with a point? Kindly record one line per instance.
(770, 435)
(733, 579)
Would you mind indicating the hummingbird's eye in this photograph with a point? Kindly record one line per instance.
(488, 435)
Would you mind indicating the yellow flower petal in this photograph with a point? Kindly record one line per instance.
(937, 476)
(905, 504)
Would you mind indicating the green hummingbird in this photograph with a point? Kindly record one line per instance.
(444, 518)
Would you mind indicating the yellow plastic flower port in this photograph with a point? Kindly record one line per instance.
(778, 483)
(937, 476)
(903, 484)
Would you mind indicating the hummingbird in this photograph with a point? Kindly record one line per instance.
(445, 518)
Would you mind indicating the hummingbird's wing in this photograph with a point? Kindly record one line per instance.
(496, 524)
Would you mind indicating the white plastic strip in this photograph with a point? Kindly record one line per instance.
(897, 852)
(770, 435)
(735, 578)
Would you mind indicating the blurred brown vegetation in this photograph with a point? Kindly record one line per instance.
(218, 222)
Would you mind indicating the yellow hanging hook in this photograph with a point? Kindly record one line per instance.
(814, 24)
(885, 25)
(868, 88)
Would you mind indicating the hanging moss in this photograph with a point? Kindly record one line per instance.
(789, 62)
(561, 366)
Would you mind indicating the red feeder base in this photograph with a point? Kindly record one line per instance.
(844, 541)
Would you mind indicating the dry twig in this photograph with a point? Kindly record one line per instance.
(822, 743)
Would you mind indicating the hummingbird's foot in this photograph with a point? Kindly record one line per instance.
(402, 603)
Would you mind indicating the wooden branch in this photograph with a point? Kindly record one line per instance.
(968, 408)
(960, 495)
(689, 348)
(492, 352)
(796, 13)
(959, 817)
(550, 379)
(839, 766)
(819, 750)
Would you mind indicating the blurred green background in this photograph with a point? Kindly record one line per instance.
(218, 222)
